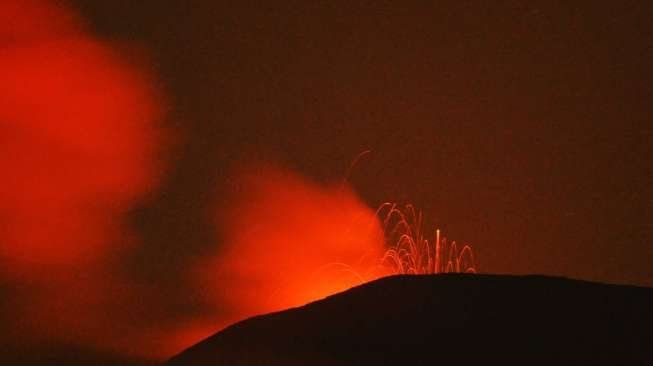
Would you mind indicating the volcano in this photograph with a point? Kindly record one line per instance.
(446, 319)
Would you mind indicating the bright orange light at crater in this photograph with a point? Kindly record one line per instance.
(289, 241)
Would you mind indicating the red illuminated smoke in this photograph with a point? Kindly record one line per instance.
(288, 241)
(79, 143)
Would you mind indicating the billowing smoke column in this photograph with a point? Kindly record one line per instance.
(78, 140)
(288, 241)
(79, 144)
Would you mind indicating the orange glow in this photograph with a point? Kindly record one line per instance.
(80, 144)
(288, 241)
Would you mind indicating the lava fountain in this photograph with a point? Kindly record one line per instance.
(410, 250)
(288, 241)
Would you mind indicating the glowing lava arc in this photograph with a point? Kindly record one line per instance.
(286, 241)
(411, 252)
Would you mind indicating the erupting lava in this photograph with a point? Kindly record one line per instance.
(81, 141)
(289, 241)
(410, 251)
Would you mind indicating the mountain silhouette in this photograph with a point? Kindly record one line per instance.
(446, 319)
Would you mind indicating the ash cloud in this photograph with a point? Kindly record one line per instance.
(80, 142)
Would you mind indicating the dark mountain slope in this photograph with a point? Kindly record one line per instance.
(446, 319)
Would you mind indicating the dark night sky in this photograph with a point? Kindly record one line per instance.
(521, 127)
